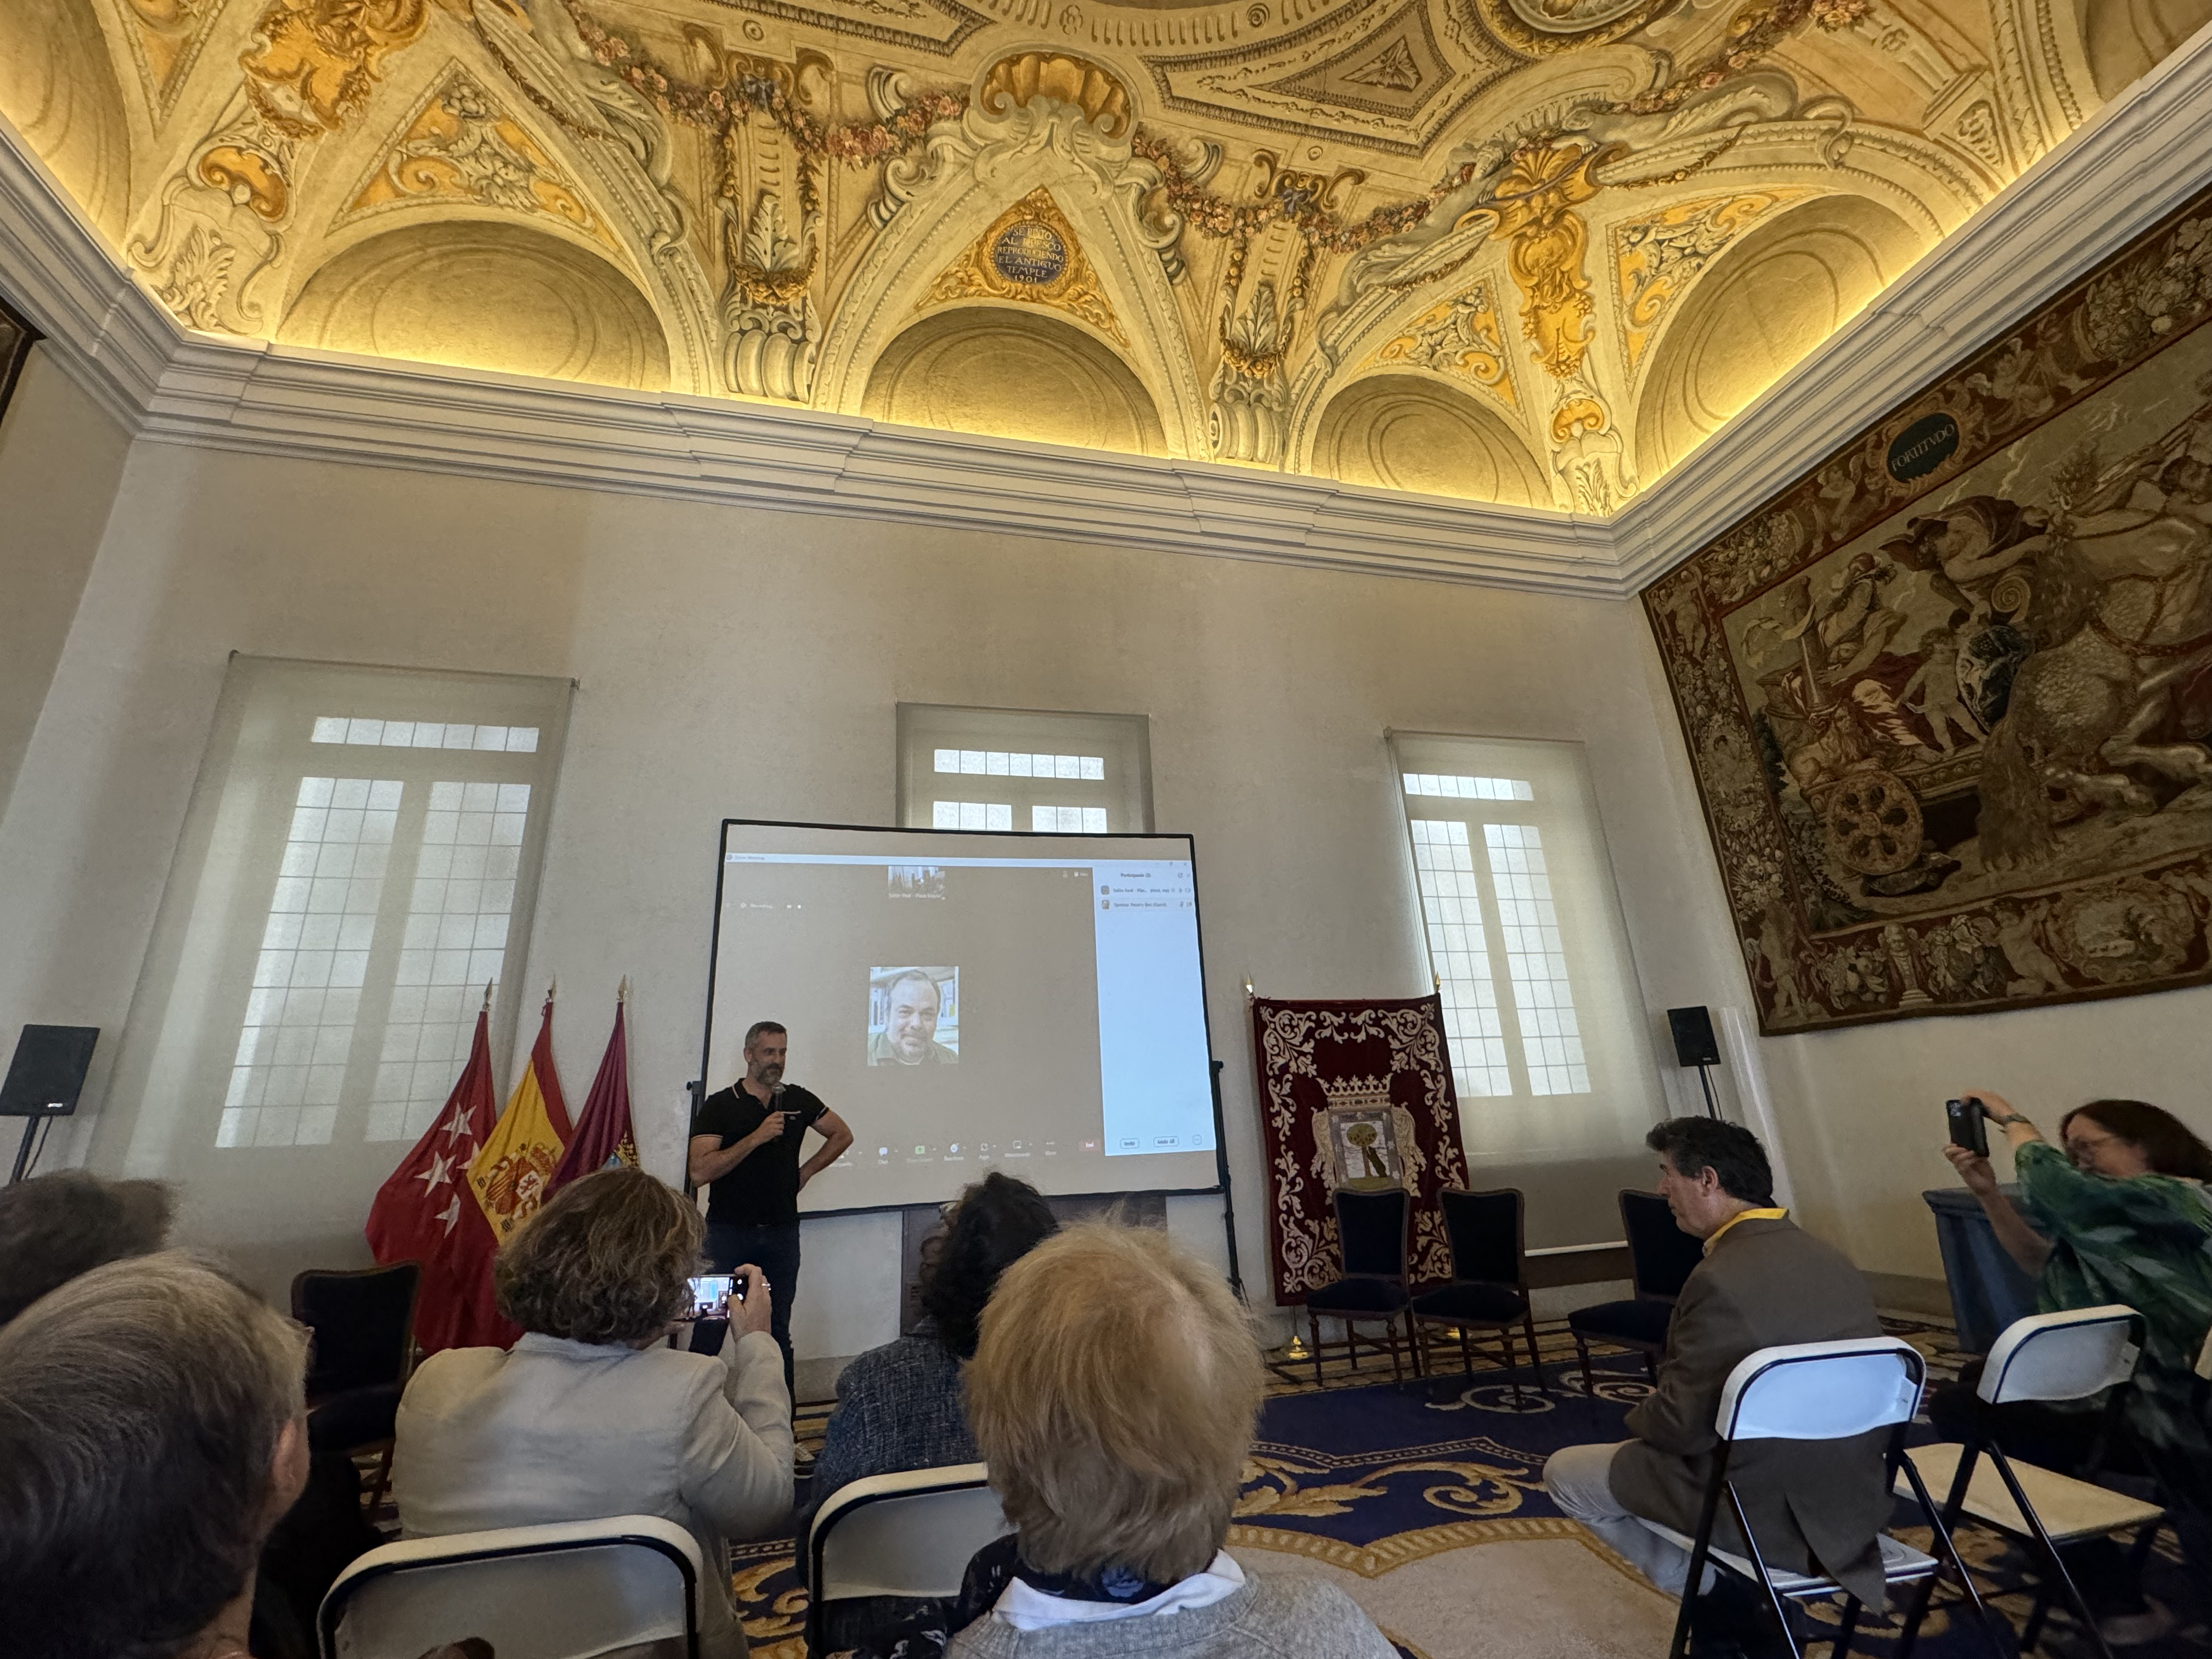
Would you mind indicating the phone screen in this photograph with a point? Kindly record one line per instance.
(1967, 1123)
(712, 1294)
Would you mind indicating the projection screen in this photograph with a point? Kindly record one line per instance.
(969, 1000)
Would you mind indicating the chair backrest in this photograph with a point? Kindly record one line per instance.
(1484, 1232)
(1660, 1253)
(1374, 1230)
(565, 1591)
(901, 1534)
(1821, 1390)
(362, 1321)
(2063, 1356)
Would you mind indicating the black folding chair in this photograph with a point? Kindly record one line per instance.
(1374, 1231)
(1660, 1257)
(1489, 1289)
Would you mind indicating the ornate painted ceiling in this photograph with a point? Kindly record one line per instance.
(1524, 250)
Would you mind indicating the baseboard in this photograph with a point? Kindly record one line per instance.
(1906, 1293)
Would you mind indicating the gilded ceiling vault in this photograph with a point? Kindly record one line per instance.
(1525, 250)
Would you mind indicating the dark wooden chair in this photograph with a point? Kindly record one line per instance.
(1660, 1258)
(363, 1323)
(1489, 1289)
(1374, 1230)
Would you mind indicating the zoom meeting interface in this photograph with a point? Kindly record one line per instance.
(1028, 1003)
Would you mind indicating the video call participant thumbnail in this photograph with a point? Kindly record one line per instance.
(909, 1033)
(744, 1151)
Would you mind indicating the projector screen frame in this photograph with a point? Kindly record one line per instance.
(1221, 1184)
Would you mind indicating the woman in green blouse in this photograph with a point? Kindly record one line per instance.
(2122, 1215)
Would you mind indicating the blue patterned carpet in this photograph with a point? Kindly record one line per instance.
(1425, 1502)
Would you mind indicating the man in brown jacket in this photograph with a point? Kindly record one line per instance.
(1815, 1505)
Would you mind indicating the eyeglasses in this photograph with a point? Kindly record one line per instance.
(2079, 1149)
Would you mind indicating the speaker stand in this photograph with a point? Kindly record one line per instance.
(23, 1152)
(1705, 1081)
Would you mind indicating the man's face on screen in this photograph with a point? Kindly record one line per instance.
(764, 1058)
(912, 1025)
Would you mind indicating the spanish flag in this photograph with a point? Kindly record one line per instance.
(511, 1173)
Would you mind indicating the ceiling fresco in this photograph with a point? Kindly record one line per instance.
(1525, 250)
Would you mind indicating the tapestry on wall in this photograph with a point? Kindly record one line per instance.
(1949, 697)
(1353, 1094)
(16, 339)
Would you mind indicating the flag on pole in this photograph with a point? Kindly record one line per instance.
(510, 1174)
(604, 1136)
(426, 1201)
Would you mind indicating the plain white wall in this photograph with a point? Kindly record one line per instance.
(733, 663)
(60, 460)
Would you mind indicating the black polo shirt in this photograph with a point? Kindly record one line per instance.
(762, 1191)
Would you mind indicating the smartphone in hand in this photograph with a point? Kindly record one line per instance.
(712, 1295)
(1969, 1126)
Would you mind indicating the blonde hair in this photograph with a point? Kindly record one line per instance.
(1112, 1394)
(605, 1260)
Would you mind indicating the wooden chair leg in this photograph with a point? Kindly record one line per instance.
(1535, 1353)
(1390, 1330)
(1313, 1324)
(1582, 1352)
(1466, 1355)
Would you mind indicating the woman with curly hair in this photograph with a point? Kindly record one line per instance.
(899, 1406)
(590, 1413)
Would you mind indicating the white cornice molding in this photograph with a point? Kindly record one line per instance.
(2133, 163)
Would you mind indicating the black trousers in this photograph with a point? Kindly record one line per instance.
(775, 1250)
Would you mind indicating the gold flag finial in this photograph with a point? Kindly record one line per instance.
(622, 994)
(552, 986)
(487, 985)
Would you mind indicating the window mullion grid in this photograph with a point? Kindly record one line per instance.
(375, 1016)
(1511, 1025)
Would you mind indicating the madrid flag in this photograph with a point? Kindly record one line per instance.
(603, 1135)
(427, 1201)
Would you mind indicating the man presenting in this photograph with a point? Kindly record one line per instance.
(744, 1149)
(909, 1033)
(1815, 1505)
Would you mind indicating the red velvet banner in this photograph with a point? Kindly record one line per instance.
(1356, 1091)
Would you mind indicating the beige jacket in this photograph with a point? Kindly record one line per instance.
(561, 1431)
(1765, 1285)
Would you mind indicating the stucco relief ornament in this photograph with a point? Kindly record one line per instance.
(222, 221)
(1251, 398)
(768, 308)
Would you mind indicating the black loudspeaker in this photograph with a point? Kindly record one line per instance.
(1694, 1042)
(48, 1071)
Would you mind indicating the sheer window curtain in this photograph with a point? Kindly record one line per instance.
(1018, 768)
(359, 859)
(1552, 1049)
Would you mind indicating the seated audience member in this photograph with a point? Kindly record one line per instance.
(155, 1428)
(1112, 1394)
(899, 1407)
(590, 1415)
(53, 1227)
(1815, 1505)
(2122, 1215)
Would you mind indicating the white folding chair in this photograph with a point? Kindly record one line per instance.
(898, 1535)
(2045, 1356)
(570, 1590)
(1814, 1391)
